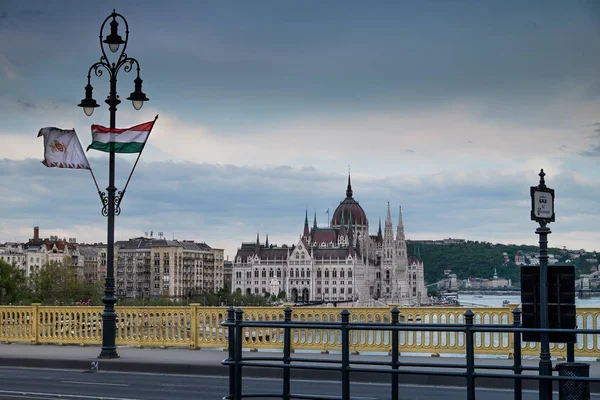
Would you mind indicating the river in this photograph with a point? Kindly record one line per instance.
(496, 300)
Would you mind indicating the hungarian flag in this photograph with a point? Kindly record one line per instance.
(62, 149)
(128, 140)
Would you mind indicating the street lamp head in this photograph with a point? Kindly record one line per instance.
(138, 97)
(88, 103)
(114, 40)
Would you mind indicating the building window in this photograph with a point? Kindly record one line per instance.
(341, 273)
(326, 273)
(334, 290)
(349, 273)
(387, 274)
(342, 290)
(318, 273)
(349, 290)
(264, 273)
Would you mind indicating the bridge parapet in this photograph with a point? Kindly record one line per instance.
(197, 327)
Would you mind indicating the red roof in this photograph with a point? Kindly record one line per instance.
(324, 235)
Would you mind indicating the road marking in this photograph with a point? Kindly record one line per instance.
(61, 395)
(95, 383)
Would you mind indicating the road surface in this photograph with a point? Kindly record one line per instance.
(53, 384)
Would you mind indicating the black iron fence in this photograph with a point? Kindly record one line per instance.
(573, 380)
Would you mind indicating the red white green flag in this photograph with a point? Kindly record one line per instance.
(62, 149)
(128, 140)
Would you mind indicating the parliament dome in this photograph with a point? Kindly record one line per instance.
(350, 207)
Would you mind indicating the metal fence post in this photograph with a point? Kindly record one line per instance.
(395, 316)
(470, 355)
(287, 349)
(231, 348)
(239, 341)
(517, 366)
(571, 351)
(345, 354)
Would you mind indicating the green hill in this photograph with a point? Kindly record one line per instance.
(478, 259)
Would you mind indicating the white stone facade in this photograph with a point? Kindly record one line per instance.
(339, 263)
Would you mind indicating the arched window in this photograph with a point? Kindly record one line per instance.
(387, 274)
(341, 273)
(302, 273)
(334, 273)
(318, 273)
(278, 273)
(264, 273)
(326, 273)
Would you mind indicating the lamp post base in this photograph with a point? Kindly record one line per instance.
(108, 353)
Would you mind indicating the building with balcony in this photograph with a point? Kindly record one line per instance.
(148, 267)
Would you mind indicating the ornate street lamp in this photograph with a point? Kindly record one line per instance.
(542, 211)
(111, 202)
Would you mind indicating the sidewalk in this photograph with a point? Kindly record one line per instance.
(208, 362)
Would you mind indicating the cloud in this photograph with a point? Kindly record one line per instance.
(226, 204)
(8, 69)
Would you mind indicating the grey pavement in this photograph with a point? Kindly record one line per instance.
(208, 363)
(55, 384)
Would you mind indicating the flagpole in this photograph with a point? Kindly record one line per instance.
(122, 192)
(97, 187)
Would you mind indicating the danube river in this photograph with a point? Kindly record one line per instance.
(496, 300)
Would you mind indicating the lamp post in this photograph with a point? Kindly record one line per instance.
(111, 202)
(542, 211)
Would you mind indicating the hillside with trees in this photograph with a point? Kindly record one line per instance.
(478, 259)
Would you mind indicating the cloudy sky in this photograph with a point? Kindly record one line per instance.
(448, 108)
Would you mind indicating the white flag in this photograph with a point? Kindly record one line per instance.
(62, 149)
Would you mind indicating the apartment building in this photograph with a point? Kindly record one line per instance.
(148, 267)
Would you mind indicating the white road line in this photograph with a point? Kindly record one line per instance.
(95, 383)
(61, 395)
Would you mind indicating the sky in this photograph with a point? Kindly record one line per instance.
(446, 108)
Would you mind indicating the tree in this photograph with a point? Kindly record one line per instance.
(57, 283)
(13, 285)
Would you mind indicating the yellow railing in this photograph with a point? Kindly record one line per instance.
(200, 327)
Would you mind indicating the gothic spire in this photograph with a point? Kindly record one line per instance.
(315, 223)
(267, 241)
(349, 187)
(388, 219)
(306, 231)
(257, 240)
(350, 234)
(400, 227)
(379, 234)
(388, 233)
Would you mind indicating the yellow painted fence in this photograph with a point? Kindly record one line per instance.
(200, 327)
